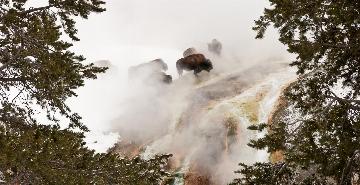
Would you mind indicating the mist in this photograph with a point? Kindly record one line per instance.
(163, 117)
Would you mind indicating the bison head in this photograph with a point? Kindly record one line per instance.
(207, 65)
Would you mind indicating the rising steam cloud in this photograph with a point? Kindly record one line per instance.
(192, 118)
(189, 117)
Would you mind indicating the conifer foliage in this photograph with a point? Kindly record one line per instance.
(38, 72)
(319, 132)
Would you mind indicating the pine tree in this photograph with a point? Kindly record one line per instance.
(36, 62)
(44, 154)
(319, 132)
(38, 71)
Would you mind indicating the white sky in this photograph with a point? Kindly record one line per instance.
(136, 31)
(174, 25)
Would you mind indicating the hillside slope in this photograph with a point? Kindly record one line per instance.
(203, 122)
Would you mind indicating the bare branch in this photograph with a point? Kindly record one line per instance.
(17, 95)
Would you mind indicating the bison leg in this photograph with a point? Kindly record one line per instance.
(180, 71)
(196, 71)
(179, 67)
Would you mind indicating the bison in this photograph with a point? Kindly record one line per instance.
(161, 77)
(153, 71)
(189, 51)
(156, 65)
(215, 47)
(196, 62)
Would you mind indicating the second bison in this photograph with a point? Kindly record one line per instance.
(152, 71)
(195, 62)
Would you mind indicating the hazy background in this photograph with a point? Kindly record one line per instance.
(135, 31)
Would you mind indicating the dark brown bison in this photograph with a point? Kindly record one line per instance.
(196, 62)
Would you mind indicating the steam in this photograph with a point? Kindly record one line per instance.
(203, 121)
(188, 118)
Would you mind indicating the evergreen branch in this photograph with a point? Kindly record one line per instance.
(36, 9)
(347, 101)
(15, 79)
(9, 61)
(321, 44)
(2, 67)
(347, 169)
(273, 179)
